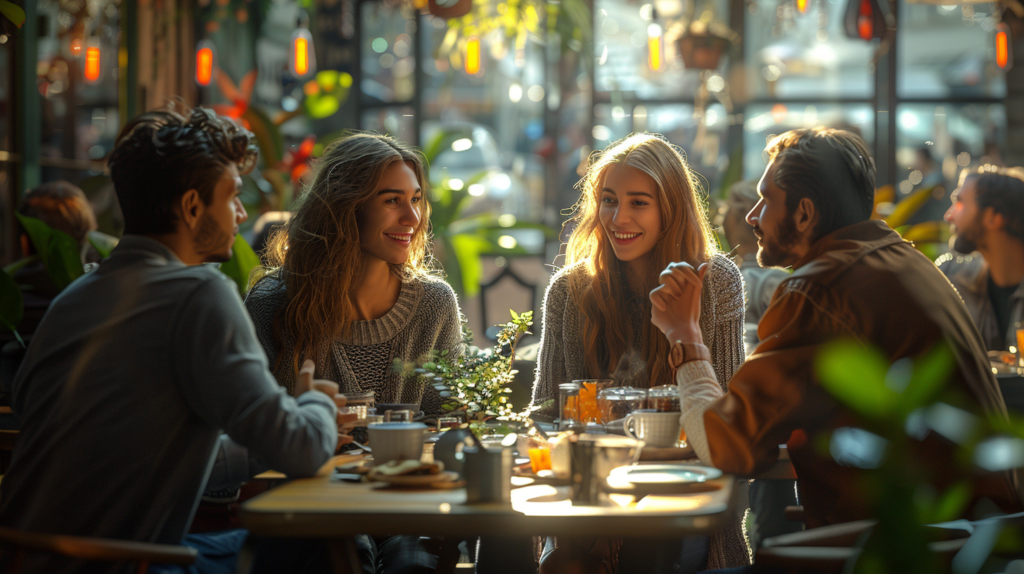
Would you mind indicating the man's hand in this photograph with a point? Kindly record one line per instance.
(675, 304)
(306, 383)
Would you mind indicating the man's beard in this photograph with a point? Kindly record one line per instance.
(211, 242)
(775, 252)
(963, 242)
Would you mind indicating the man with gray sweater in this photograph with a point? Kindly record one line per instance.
(139, 367)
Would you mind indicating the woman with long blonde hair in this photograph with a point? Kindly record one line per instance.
(349, 283)
(639, 210)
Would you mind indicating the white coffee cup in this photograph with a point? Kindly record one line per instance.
(396, 441)
(655, 429)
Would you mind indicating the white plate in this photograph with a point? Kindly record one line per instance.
(415, 479)
(664, 474)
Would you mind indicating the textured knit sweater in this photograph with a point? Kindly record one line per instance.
(562, 358)
(426, 316)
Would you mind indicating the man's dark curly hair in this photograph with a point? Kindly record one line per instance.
(162, 154)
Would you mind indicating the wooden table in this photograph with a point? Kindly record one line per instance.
(323, 508)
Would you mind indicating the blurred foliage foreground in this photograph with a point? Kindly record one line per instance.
(899, 405)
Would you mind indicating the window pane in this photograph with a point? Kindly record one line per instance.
(948, 51)
(500, 112)
(397, 122)
(764, 122)
(793, 55)
(388, 61)
(621, 48)
(78, 85)
(935, 141)
(706, 153)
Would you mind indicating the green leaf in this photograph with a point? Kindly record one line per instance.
(268, 135)
(855, 375)
(931, 373)
(467, 253)
(102, 243)
(13, 12)
(12, 305)
(23, 262)
(952, 502)
(241, 264)
(58, 251)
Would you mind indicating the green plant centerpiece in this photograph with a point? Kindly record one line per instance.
(474, 384)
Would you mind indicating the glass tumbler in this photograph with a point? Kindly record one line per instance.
(664, 399)
(1018, 329)
(616, 402)
(568, 405)
(589, 388)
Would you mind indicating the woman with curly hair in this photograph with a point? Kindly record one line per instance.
(349, 283)
(639, 211)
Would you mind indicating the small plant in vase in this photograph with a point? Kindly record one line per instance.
(474, 384)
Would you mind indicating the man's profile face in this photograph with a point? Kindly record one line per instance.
(214, 235)
(965, 218)
(773, 224)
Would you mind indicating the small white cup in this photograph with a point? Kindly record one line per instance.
(396, 441)
(655, 429)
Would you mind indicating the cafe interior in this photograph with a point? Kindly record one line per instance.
(502, 426)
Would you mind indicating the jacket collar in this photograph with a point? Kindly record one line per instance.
(846, 245)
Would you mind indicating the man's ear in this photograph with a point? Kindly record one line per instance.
(192, 208)
(992, 220)
(805, 216)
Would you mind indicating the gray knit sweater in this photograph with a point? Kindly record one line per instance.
(561, 355)
(426, 316)
(561, 359)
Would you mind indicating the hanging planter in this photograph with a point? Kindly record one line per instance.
(701, 51)
(702, 44)
(449, 9)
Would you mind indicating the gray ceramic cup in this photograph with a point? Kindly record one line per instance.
(396, 441)
(655, 429)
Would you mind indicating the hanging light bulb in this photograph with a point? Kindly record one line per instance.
(473, 56)
(655, 45)
(865, 21)
(302, 60)
(92, 62)
(801, 6)
(1004, 47)
(206, 62)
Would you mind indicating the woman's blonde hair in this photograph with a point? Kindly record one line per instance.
(685, 235)
(318, 255)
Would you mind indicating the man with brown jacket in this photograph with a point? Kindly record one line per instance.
(853, 278)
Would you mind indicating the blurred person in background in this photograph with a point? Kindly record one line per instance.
(768, 498)
(932, 180)
(759, 283)
(987, 268)
(64, 207)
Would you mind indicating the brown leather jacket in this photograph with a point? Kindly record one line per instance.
(862, 282)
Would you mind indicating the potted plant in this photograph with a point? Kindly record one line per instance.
(475, 384)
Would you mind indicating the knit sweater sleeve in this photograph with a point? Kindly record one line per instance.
(552, 357)
(263, 302)
(448, 338)
(723, 291)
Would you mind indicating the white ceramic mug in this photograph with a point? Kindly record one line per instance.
(396, 441)
(655, 429)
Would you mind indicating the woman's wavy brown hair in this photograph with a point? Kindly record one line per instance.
(604, 297)
(318, 254)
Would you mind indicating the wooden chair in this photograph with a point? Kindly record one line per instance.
(16, 543)
(827, 549)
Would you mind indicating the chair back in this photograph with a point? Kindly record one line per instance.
(15, 544)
